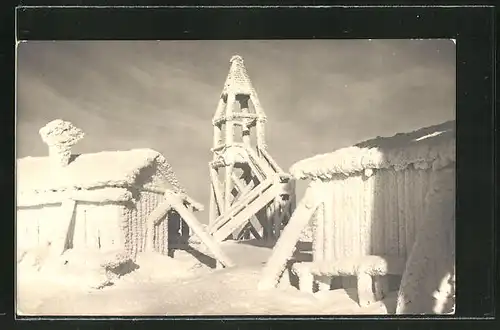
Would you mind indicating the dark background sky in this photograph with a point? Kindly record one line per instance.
(319, 95)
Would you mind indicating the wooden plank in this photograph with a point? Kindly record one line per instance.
(199, 231)
(241, 204)
(244, 215)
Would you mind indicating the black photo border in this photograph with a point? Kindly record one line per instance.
(473, 28)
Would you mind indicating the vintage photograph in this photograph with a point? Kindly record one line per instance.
(235, 177)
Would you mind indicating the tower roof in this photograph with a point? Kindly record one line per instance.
(237, 81)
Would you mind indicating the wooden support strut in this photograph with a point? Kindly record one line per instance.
(266, 169)
(240, 205)
(174, 202)
(204, 236)
(271, 161)
(216, 189)
(246, 209)
(285, 246)
(255, 225)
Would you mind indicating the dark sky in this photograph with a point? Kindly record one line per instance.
(318, 95)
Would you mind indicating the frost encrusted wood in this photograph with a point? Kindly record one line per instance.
(430, 147)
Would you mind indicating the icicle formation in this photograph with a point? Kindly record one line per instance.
(60, 136)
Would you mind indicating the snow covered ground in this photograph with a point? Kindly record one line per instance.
(184, 286)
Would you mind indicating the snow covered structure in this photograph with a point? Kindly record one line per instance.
(390, 198)
(96, 201)
(254, 196)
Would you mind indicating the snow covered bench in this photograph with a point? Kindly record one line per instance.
(370, 270)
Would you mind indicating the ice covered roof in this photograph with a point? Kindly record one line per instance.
(432, 146)
(93, 170)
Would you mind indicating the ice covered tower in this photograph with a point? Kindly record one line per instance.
(249, 172)
(238, 91)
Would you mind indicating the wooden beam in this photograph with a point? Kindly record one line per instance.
(260, 174)
(266, 169)
(199, 231)
(241, 204)
(285, 246)
(271, 161)
(246, 212)
(238, 187)
(255, 224)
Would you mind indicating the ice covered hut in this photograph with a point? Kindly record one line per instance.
(382, 207)
(98, 201)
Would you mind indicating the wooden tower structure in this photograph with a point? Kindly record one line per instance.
(250, 194)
